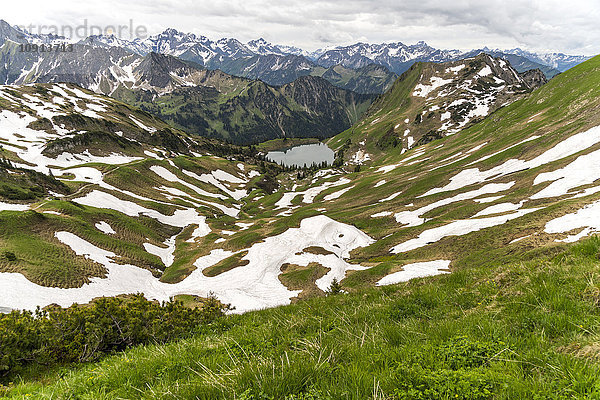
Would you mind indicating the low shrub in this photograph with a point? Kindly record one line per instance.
(83, 333)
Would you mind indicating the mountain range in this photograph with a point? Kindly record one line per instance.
(280, 64)
(395, 56)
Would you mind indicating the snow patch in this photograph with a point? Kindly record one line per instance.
(416, 270)
(104, 227)
(166, 254)
(13, 207)
(586, 218)
(434, 83)
(457, 228)
(381, 214)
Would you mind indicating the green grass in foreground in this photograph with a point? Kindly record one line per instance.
(512, 331)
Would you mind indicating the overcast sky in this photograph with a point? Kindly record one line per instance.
(570, 26)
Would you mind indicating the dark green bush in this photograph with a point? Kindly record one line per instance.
(461, 352)
(84, 333)
(334, 288)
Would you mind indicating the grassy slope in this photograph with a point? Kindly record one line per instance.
(568, 104)
(526, 329)
(29, 236)
(393, 106)
(45, 261)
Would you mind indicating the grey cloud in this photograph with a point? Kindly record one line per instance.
(534, 24)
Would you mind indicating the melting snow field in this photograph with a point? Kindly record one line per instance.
(309, 194)
(587, 219)
(568, 147)
(104, 227)
(166, 254)
(215, 178)
(250, 287)
(390, 197)
(416, 270)
(14, 129)
(498, 208)
(457, 228)
(181, 218)
(583, 171)
(337, 194)
(413, 218)
(171, 177)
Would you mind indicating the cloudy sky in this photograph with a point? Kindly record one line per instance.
(541, 25)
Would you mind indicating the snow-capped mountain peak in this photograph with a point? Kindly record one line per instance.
(560, 61)
(262, 47)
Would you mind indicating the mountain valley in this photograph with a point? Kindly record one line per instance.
(152, 180)
(150, 249)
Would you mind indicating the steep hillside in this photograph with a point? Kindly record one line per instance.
(433, 100)
(62, 147)
(246, 112)
(372, 78)
(523, 178)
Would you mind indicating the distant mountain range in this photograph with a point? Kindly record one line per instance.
(279, 64)
(395, 56)
(392, 55)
